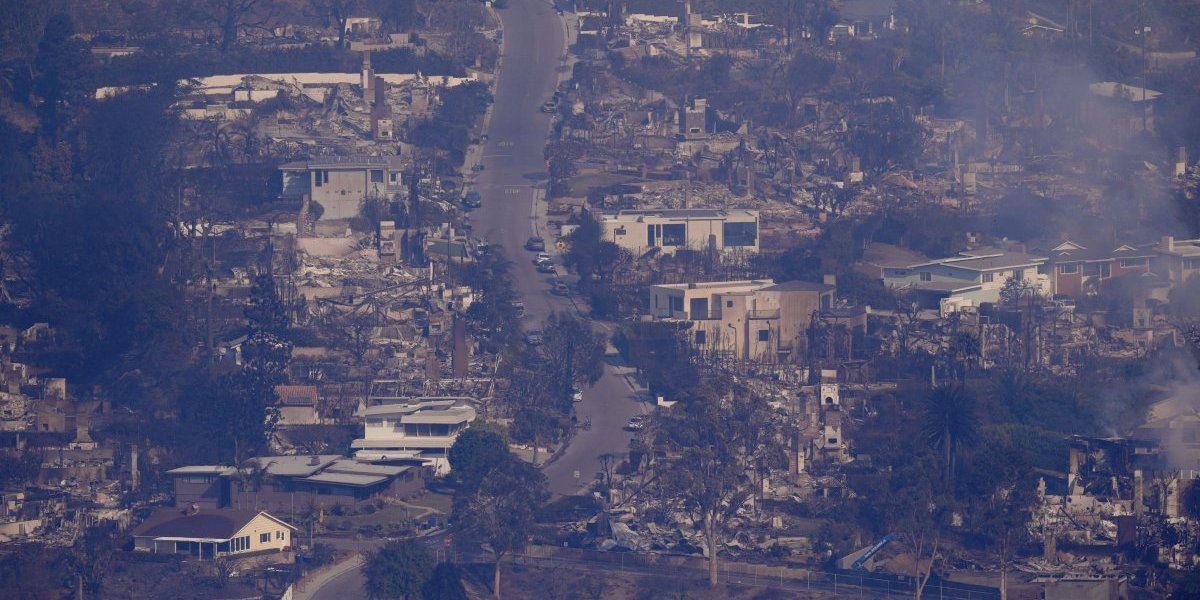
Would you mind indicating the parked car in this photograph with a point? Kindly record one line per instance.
(533, 337)
(576, 395)
(547, 268)
(548, 107)
(560, 289)
(472, 200)
(542, 259)
(520, 306)
(636, 423)
(535, 244)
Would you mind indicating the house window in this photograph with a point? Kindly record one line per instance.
(729, 304)
(317, 179)
(739, 234)
(674, 234)
(264, 538)
(376, 175)
(699, 308)
(832, 441)
(1019, 274)
(1191, 263)
(1068, 268)
(1129, 263)
(764, 335)
(988, 277)
(1101, 269)
(926, 276)
(279, 535)
(676, 303)
(701, 337)
(900, 273)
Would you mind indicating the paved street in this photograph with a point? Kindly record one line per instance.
(513, 177)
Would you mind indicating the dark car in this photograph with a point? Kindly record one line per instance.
(535, 244)
(472, 200)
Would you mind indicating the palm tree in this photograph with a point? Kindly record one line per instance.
(950, 422)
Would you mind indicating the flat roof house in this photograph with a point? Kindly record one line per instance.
(287, 484)
(668, 230)
(969, 279)
(413, 430)
(209, 533)
(750, 320)
(340, 184)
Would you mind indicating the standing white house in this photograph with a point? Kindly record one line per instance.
(640, 231)
(340, 184)
(413, 430)
(970, 278)
(209, 533)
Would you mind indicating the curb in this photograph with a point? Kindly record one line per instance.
(306, 587)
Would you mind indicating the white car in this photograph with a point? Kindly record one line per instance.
(576, 395)
(542, 258)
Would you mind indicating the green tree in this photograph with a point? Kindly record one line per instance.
(662, 352)
(885, 136)
(1191, 500)
(265, 312)
(335, 13)
(911, 513)
(726, 433)
(1187, 206)
(398, 15)
(499, 514)
(400, 569)
(492, 315)
(574, 354)
(92, 235)
(539, 413)
(229, 17)
(595, 260)
(63, 69)
(1184, 300)
(32, 572)
(91, 558)
(950, 422)
(445, 583)
(474, 452)
(803, 75)
(461, 108)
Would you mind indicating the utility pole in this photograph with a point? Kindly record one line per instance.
(1144, 32)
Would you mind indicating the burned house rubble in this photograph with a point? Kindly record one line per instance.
(1120, 493)
(828, 297)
